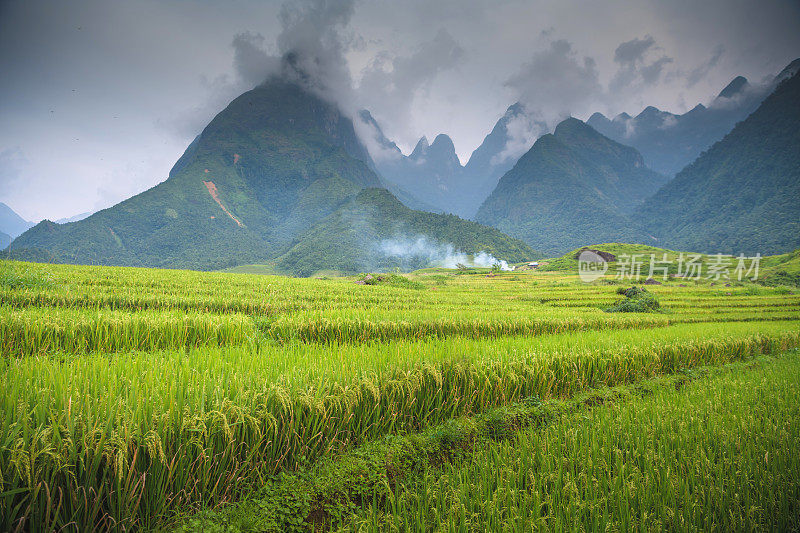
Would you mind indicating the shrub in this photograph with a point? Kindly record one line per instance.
(637, 300)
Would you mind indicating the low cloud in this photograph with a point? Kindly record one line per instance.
(312, 47)
(422, 250)
(522, 130)
(557, 82)
(251, 61)
(310, 50)
(637, 66)
(697, 74)
(390, 84)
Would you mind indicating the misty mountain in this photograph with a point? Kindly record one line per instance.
(572, 187)
(429, 176)
(267, 168)
(743, 194)
(273, 162)
(350, 239)
(499, 152)
(432, 176)
(668, 142)
(74, 218)
(11, 223)
(5, 240)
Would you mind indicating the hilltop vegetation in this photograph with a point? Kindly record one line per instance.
(741, 195)
(574, 186)
(350, 239)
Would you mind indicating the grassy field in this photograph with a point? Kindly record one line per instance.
(133, 398)
(716, 453)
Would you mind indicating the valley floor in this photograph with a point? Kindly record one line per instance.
(149, 399)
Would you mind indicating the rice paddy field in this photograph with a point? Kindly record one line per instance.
(140, 399)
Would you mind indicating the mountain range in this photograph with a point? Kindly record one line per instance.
(432, 178)
(743, 194)
(258, 179)
(280, 176)
(574, 186)
(668, 142)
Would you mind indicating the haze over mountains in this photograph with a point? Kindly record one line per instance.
(668, 142)
(432, 174)
(432, 177)
(280, 176)
(743, 194)
(11, 223)
(262, 174)
(572, 187)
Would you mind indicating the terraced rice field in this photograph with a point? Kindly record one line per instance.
(134, 398)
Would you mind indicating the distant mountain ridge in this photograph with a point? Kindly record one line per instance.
(743, 194)
(572, 187)
(74, 218)
(11, 223)
(432, 174)
(270, 166)
(668, 142)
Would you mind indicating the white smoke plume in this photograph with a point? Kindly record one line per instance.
(421, 249)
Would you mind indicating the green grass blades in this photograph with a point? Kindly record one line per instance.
(147, 434)
(719, 454)
(129, 395)
(39, 331)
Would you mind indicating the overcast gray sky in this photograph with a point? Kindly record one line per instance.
(98, 98)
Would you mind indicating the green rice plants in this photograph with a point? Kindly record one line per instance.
(149, 433)
(718, 453)
(131, 394)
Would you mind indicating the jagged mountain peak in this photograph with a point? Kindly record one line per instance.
(444, 149)
(597, 116)
(789, 70)
(574, 126)
(735, 87)
(444, 142)
(653, 113)
(420, 149)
